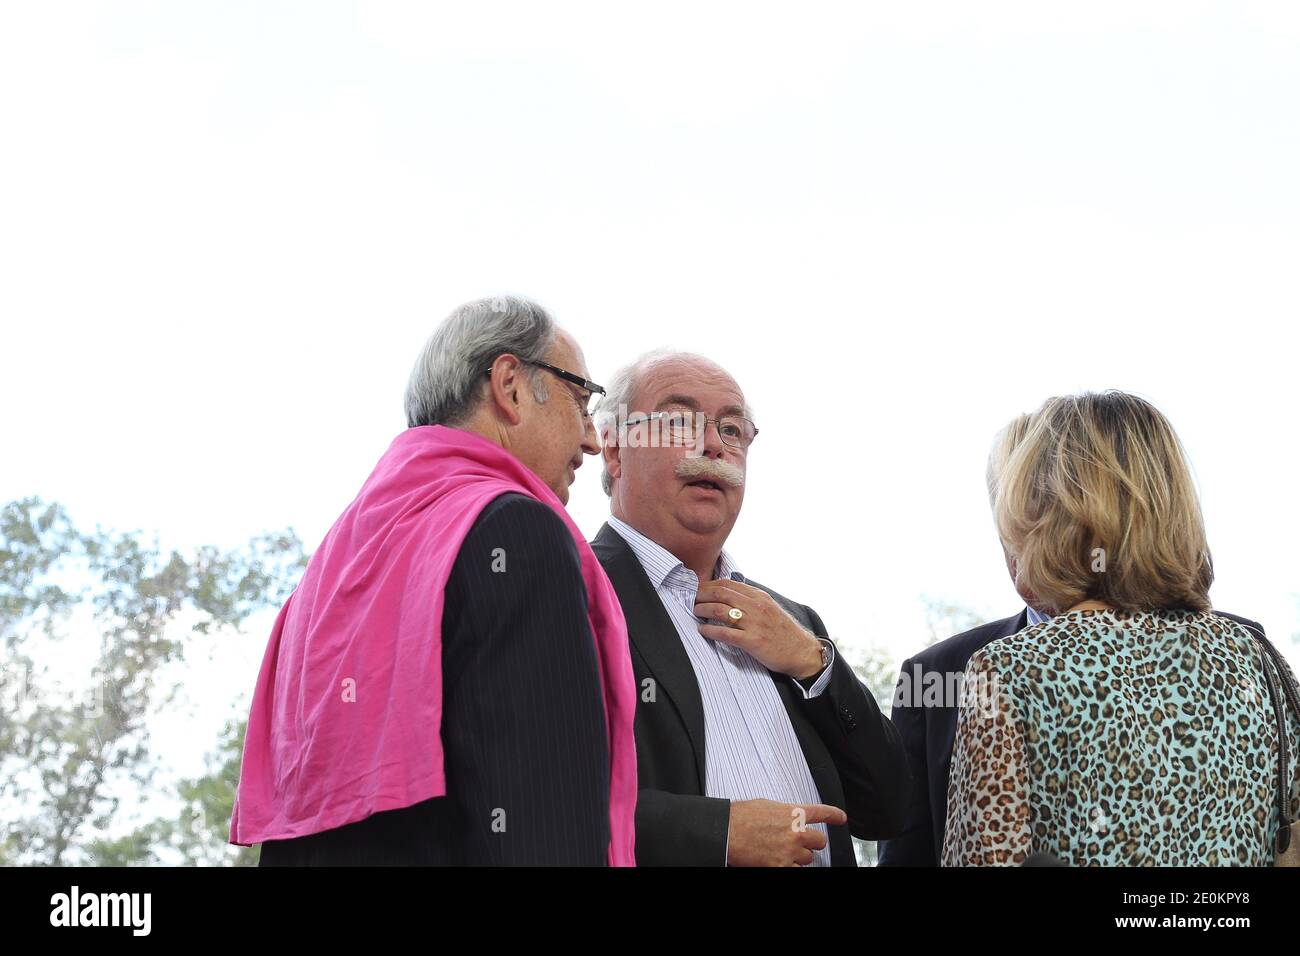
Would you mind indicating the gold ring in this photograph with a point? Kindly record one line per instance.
(735, 614)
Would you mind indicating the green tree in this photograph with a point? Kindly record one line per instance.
(65, 763)
(197, 836)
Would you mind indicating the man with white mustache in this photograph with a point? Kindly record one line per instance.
(756, 743)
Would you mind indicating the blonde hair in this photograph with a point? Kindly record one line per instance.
(1097, 501)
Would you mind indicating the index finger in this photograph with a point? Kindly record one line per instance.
(717, 590)
(822, 813)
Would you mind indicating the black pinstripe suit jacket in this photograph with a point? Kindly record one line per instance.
(523, 724)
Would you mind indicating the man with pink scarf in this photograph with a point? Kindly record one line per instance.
(450, 682)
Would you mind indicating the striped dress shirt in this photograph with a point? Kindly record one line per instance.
(1035, 616)
(751, 750)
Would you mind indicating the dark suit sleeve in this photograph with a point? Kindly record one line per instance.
(915, 845)
(865, 746)
(674, 829)
(523, 720)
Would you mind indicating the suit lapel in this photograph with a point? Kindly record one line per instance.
(650, 630)
(820, 763)
(821, 766)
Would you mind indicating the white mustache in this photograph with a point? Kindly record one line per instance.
(711, 469)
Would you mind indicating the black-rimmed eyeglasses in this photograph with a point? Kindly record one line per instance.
(591, 388)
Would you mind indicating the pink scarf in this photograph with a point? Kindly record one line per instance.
(368, 615)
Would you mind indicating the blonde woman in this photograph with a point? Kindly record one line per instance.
(1135, 726)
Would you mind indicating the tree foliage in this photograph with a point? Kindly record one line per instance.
(64, 762)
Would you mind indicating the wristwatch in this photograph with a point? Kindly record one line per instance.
(828, 655)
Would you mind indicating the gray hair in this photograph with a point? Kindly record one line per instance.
(444, 385)
(1004, 443)
(618, 398)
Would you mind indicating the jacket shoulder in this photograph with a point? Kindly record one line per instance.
(953, 653)
(522, 524)
(1245, 621)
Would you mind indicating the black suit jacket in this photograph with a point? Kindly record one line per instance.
(525, 751)
(854, 752)
(929, 732)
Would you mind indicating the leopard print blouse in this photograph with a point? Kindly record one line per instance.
(1118, 739)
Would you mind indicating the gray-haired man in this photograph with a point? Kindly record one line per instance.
(490, 708)
(756, 743)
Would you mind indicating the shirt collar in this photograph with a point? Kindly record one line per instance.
(1035, 616)
(660, 564)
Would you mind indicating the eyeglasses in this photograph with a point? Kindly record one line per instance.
(689, 427)
(591, 387)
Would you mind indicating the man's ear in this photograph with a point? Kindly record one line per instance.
(613, 463)
(506, 379)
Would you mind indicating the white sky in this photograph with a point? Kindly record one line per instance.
(226, 229)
